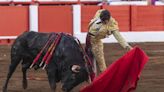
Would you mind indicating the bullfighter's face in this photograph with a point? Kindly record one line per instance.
(73, 76)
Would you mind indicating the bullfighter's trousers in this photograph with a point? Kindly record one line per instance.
(98, 52)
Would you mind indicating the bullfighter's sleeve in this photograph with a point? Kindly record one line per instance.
(120, 39)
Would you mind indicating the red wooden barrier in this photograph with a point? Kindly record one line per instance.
(87, 13)
(6, 41)
(3, 42)
(13, 20)
(147, 18)
(55, 19)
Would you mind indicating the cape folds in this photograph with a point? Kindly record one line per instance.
(122, 75)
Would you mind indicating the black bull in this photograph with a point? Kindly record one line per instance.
(66, 65)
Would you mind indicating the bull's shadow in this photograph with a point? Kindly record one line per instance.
(66, 65)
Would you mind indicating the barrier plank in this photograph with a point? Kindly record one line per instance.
(147, 18)
(6, 41)
(14, 20)
(55, 19)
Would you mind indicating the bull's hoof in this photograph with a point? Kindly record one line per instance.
(4, 89)
(24, 84)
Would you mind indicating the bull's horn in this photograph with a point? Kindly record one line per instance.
(75, 68)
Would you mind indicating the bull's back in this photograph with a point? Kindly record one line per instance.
(29, 42)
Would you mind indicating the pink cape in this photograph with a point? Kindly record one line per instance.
(122, 75)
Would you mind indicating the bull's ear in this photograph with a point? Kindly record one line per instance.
(75, 68)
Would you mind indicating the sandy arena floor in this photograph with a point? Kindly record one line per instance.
(152, 77)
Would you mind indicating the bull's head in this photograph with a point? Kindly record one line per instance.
(74, 76)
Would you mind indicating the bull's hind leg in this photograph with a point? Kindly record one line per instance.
(25, 66)
(14, 62)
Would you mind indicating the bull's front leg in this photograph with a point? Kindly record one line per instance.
(52, 80)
